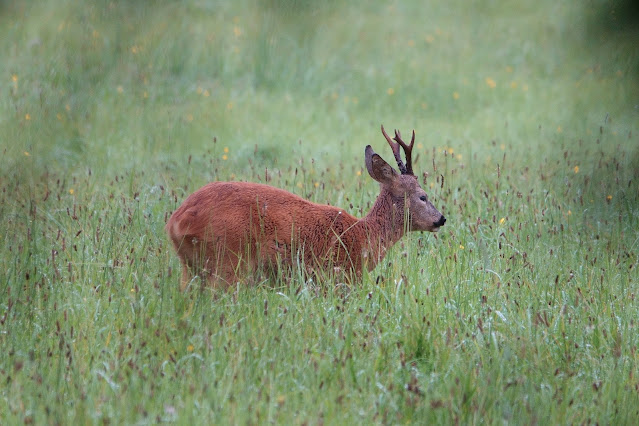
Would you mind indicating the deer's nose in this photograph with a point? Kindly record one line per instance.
(440, 222)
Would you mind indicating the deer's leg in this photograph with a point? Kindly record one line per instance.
(186, 277)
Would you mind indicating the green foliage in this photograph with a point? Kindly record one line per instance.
(522, 309)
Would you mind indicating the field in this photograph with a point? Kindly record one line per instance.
(523, 309)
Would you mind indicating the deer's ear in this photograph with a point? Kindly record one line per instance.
(379, 169)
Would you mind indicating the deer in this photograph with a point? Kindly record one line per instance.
(227, 231)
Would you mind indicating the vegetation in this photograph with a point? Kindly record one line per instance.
(522, 309)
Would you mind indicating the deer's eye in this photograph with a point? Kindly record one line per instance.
(423, 198)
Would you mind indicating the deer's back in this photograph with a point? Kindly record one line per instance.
(237, 209)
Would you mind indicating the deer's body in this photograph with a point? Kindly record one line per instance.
(226, 230)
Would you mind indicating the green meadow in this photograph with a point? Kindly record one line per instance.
(523, 309)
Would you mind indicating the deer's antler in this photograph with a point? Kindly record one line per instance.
(408, 150)
(404, 169)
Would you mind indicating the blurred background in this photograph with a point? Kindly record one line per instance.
(119, 85)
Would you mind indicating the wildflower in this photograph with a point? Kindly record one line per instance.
(490, 82)
(576, 169)
(225, 157)
(237, 31)
(359, 173)
(455, 95)
(206, 93)
(461, 247)
(430, 39)
(390, 91)
(226, 149)
(27, 116)
(316, 184)
(190, 348)
(411, 43)
(608, 197)
(513, 84)
(559, 129)
(26, 154)
(120, 89)
(71, 191)
(14, 78)
(502, 220)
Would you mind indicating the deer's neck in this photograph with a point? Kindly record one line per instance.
(382, 227)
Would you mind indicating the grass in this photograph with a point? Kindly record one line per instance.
(521, 310)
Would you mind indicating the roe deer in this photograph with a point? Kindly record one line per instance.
(226, 230)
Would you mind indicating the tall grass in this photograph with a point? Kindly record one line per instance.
(522, 309)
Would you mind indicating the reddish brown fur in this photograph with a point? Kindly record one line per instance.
(226, 230)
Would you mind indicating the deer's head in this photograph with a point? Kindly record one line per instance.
(407, 196)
